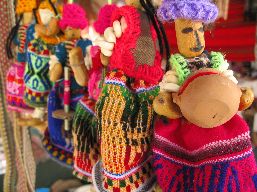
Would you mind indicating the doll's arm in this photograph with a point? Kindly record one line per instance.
(55, 69)
(56, 63)
(78, 66)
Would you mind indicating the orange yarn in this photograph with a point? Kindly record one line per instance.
(25, 6)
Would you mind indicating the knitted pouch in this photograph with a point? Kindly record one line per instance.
(125, 116)
(190, 158)
(15, 88)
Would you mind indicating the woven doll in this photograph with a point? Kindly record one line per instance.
(124, 109)
(204, 145)
(87, 148)
(58, 139)
(19, 36)
(39, 49)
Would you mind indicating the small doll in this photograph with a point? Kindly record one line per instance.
(39, 49)
(203, 145)
(19, 36)
(58, 139)
(124, 109)
(86, 144)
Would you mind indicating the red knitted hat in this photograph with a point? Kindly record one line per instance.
(73, 16)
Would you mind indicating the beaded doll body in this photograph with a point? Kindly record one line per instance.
(124, 109)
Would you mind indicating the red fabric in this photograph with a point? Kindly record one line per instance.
(123, 58)
(234, 37)
(195, 159)
(192, 137)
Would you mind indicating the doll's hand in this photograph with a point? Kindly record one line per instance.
(230, 74)
(170, 82)
(107, 42)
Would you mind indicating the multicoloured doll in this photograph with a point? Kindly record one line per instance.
(19, 36)
(57, 140)
(203, 145)
(40, 48)
(124, 109)
(87, 147)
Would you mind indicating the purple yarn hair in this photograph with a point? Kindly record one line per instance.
(198, 10)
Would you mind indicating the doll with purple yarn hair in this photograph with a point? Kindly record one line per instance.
(200, 155)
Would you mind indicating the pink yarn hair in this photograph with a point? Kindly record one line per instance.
(104, 18)
(73, 16)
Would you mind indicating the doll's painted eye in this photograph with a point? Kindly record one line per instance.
(201, 29)
(187, 30)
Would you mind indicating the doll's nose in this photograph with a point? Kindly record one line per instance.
(198, 42)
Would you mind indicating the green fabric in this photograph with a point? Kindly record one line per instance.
(217, 60)
(180, 66)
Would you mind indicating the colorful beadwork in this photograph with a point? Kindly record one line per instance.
(36, 75)
(125, 116)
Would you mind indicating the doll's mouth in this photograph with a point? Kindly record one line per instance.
(196, 49)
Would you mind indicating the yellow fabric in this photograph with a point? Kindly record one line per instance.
(25, 6)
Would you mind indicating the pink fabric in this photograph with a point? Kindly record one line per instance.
(73, 16)
(67, 92)
(15, 87)
(104, 18)
(123, 58)
(95, 73)
(197, 159)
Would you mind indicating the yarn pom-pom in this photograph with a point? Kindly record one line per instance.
(104, 18)
(73, 16)
(198, 10)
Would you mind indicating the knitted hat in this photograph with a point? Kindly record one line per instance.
(190, 158)
(73, 16)
(104, 18)
(25, 6)
(199, 10)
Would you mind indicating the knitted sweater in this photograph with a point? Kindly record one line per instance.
(190, 158)
(136, 52)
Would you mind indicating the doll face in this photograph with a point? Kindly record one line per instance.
(72, 34)
(45, 15)
(134, 3)
(209, 101)
(190, 37)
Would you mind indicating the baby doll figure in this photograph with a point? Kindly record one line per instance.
(86, 144)
(202, 145)
(19, 36)
(124, 109)
(58, 141)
